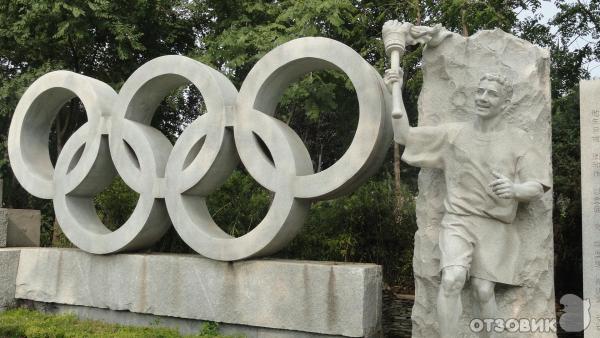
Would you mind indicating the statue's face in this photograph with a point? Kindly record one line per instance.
(490, 99)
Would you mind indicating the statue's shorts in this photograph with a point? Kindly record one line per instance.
(486, 247)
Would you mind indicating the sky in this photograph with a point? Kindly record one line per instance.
(548, 10)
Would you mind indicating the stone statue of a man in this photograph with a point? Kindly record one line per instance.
(489, 167)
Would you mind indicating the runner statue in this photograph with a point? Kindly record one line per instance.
(489, 167)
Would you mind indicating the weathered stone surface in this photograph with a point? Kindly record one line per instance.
(184, 326)
(9, 262)
(451, 73)
(22, 227)
(3, 227)
(590, 181)
(316, 297)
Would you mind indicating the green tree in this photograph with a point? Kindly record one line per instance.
(103, 39)
(572, 38)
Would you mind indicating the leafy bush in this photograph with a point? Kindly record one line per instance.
(115, 204)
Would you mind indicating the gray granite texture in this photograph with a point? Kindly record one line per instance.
(590, 206)
(3, 227)
(23, 228)
(9, 263)
(20, 228)
(184, 326)
(312, 297)
(451, 72)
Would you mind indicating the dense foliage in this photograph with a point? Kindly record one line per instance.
(108, 40)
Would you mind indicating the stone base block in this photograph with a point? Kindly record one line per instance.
(310, 297)
(9, 263)
(20, 228)
(184, 326)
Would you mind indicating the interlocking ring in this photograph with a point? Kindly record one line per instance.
(176, 180)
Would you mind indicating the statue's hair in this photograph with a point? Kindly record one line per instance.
(502, 80)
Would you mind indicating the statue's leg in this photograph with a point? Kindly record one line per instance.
(449, 305)
(456, 254)
(483, 292)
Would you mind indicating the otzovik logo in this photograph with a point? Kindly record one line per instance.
(174, 181)
(576, 316)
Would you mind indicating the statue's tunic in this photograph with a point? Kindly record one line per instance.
(477, 230)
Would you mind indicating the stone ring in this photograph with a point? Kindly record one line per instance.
(173, 182)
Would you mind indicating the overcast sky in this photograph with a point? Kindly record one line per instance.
(548, 10)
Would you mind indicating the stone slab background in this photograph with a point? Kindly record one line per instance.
(589, 104)
(20, 228)
(451, 73)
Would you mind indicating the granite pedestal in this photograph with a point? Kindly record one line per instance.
(294, 298)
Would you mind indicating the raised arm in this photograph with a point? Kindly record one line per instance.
(400, 125)
(396, 36)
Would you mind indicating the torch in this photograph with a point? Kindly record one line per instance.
(394, 39)
(396, 36)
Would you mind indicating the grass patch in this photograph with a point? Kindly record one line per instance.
(33, 324)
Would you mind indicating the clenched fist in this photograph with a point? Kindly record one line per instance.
(502, 186)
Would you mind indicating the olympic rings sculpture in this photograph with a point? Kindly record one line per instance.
(176, 180)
